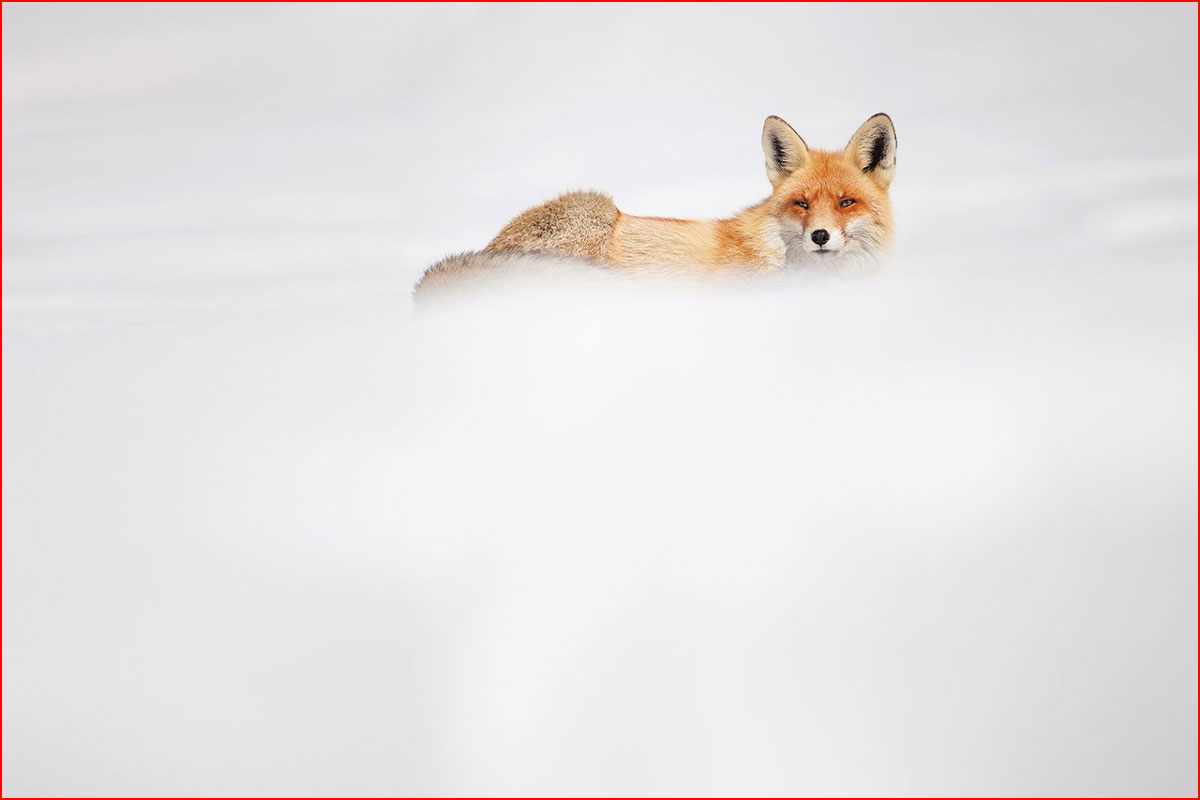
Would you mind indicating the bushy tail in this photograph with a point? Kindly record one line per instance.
(547, 241)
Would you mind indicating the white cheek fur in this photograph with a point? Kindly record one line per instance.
(858, 247)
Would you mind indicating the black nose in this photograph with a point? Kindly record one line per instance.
(820, 236)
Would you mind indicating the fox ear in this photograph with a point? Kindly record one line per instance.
(786, 152)
(872, 149)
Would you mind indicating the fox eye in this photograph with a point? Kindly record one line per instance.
(847, 202)
(803, 204)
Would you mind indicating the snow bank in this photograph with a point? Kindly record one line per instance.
(266, 530)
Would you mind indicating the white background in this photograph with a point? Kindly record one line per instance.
(265, 531)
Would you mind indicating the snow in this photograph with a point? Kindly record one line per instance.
(269, 531)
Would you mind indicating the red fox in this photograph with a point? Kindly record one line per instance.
(827, 210)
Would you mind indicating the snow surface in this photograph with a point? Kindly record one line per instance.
(266, 531)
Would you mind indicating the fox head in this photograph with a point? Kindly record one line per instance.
(832, 208)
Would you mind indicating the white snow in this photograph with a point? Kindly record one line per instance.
(266, 531)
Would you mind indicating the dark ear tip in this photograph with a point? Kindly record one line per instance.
(881, 116)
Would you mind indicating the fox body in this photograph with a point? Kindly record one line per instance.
(827, 210)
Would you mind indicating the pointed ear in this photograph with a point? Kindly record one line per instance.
(786, 152)
(872, 149)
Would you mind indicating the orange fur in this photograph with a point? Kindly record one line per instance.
(751, 240)
(827, 208)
